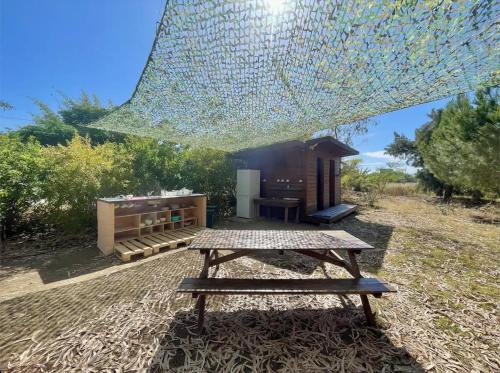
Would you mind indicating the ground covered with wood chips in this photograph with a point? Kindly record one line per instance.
(443, 259)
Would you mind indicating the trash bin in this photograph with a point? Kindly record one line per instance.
(210, 216)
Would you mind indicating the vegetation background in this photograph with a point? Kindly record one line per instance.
(52, 171)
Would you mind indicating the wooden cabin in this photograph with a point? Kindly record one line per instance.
(307, 170)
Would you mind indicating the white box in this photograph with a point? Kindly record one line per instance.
(245, 207)
(248, 183)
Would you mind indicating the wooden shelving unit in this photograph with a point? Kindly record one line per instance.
(144, 226)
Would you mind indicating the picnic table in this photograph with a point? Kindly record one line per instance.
(320, 245)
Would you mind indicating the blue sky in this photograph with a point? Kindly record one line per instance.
(48, 47)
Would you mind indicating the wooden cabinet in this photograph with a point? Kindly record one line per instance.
(147, 224)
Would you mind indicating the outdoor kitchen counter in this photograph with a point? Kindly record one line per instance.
(279, 202)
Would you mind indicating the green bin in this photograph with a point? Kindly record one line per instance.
(210, 216)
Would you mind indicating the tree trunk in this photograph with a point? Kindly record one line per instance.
(476, 196)
(3, 239)
(448, 192)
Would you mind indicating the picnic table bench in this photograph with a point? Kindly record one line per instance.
(316, 244)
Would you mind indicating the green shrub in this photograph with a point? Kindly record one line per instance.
(59, 184)
(353, 177)
(155, 165)
(211, 172)
(20, 178)
(76, 175)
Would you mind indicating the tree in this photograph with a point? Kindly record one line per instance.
(73, 117)
(408, 150)
(458, 150)
(48, 129)
(4, 105)
(463, 150)
(404, 148)
(346, 132)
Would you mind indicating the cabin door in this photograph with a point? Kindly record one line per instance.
(332, 176)
(320, 182)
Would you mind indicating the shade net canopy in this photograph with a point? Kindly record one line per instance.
(239, 74)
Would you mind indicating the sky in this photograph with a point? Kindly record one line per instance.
(54, 47)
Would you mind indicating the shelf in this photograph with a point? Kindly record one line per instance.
(141, 213)
(116, 223)
(127, 237)
(125, 215)
(155, 225)
(153, 212)
(125, 229)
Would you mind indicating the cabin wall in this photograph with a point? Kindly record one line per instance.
(326, 182)
(311, 182)
(338, 184)
(296, 164)
(281, 165)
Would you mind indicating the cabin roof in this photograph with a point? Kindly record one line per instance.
(337, 147)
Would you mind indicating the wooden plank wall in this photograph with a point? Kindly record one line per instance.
(338, 184)
(326, 182)
(295, 164)
(311, 183)
(283, 165)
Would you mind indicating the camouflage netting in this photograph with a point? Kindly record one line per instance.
(238, 74)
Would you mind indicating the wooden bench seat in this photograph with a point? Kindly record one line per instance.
(362, 286)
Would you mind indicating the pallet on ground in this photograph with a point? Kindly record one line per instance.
(128, 248)
(154, 242)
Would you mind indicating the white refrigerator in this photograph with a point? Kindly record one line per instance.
(247, 188)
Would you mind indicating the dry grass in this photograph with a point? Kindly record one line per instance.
(402, 189)
(443, 318)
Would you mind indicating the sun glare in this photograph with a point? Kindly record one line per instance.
(275, 6)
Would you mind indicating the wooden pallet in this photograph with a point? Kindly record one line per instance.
(332, 214)
(153, 243)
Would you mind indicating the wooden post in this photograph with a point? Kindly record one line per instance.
(200, 304)
(370, 318)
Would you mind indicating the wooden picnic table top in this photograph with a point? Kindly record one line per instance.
(212, 239)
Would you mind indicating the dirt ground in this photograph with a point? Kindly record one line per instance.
(66, 307)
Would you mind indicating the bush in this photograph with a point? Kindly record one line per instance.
(76, 175)
(374, 184)
(155, 165)
(59, 184)
(353, 177)
(211, 172)
(56, 168)
(20, 179)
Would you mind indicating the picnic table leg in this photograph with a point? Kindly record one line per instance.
(200, 304)
(370, 318)
(216, 256)
(297, 214)
(286, 215)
